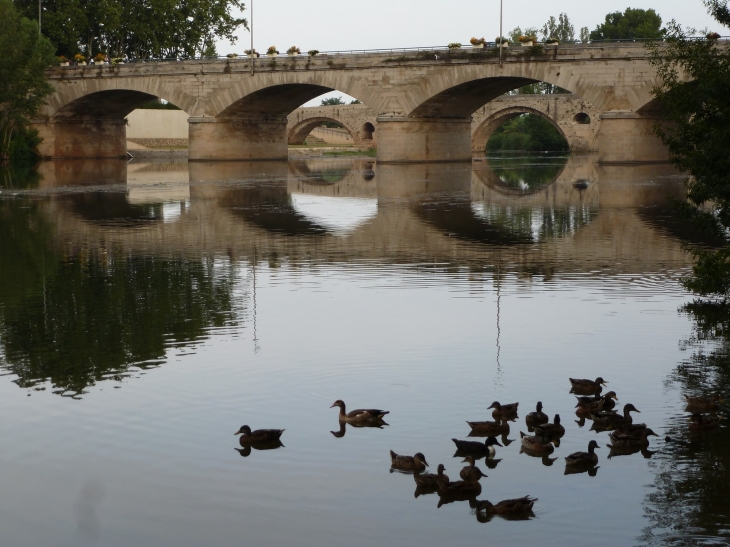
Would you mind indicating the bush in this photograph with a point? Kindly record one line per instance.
(454, 45)
(272, 51)
(294, 50)
(313, 52)
(22, 150)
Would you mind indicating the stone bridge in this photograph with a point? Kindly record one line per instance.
(424, 100)
(575, 119)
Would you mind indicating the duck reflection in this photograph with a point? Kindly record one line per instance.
(380, 424)
(586, 467)
(466, 490)
(247, 448)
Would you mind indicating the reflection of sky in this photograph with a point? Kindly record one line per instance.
(339, 216)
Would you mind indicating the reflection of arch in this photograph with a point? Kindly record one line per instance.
(490, 178)
(493, 122)
(299, 133)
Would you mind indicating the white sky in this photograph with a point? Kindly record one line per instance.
(378, 24)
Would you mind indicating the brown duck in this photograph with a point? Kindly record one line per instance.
(702, 404)
(259, 436)
(590, 405)
(475, 447)
(416, 462)
(536, 445)
(554, 430)
(584, 458)
(507, 507)
(615, 421)
(587, 386)
(359, 415)
(503, 411)
(460, 488)
(538, 417)
(432, 479)
(640, 439)
(498, 427)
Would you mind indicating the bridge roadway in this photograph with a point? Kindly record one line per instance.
(424, 100)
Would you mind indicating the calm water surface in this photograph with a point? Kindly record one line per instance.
(148, 310)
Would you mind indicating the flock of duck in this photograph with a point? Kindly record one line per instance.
(626, 437)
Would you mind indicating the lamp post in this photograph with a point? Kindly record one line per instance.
(253, 56)
(501, 45)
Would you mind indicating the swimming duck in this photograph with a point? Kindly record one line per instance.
(432, 479)
(536, 445)
(470, 487)
(588, 405)
(498, 427)
(468, 473)
(551, 431)
(359, 415)
(507, 507)
(615, 421)
(702, 404)
(628, 440)
(258, 436)
(587, 386)
(474, 447)
(503, 411)
(584, 458)
(416, 462)
(538, 417)
(704, 422)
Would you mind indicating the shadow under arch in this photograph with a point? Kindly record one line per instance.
(113, 104)
(299, 133)
(481, 135)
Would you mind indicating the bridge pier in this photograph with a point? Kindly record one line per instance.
(418, 140)
(628, 137)
(81, 138)
(214, 139)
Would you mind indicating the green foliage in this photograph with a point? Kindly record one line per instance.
(527, 132)
(694, 76)
(585, 35)
(515, 33)
(23, 145)
(156, 104)
(332, 101)
(24, 57)
(539, 88)
(137, 28)
(355, 101)
(561, 29)
(631, 24)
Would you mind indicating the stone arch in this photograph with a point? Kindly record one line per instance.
(299, 132)
(484, 131)
(367, 131)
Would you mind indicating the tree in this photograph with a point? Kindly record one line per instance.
(24, 56)
(629, 25)
(585, 35)
(332, 101)
(514, 34)
(694, 76)
(137, 28)
(560, 29)
(527, 132)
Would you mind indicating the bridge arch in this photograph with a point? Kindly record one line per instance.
(484, 131)
(299, 133)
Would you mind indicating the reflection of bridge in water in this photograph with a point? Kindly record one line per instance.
(345, 210)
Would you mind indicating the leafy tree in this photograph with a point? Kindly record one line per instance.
(24, 56)
(585, 35)
(560, 29)
(355, 101)
(631, 24)
(332, 101)
(137, 28)
(694, 76)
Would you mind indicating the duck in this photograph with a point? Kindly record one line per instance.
(704, 422)
(551, 431)
(584, 458)
(587, 386)
(469, 488)
(475, 447)
(470, 472)
(432, 479)
(359, 415)
(417, 462)
(503, 411)
(538, 417)
(507, 507)
(588, 405)
(536, 444)
(615, 421)
(703, 404)
(639, 440)
(259, 436)
(498, 427)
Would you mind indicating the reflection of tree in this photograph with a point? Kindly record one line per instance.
(527, 173)
(92, 316)
(690, 498)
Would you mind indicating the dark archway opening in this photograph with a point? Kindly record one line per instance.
(582, 118)
(527, 132)
(367, 131)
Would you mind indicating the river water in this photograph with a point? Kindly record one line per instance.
(148, 310)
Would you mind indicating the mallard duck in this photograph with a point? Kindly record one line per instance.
(469, 488)
(587, 386)
(432, 479)
(551, 431)
(507, 507)
(498, 427)
(474, 447)
(704, 422)
(503, 411)
(471, 472)
(259, 436)
(628, 440)
(584, 458)
(359, 415)
(590, 405)
(538, 417)
(614, 421)
(702, 404)
(416, 462)
(536, 444)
